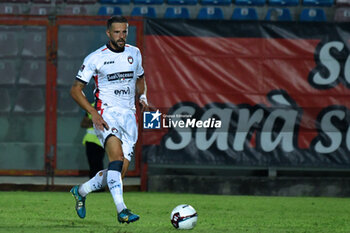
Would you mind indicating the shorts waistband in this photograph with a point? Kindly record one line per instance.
(118, 109)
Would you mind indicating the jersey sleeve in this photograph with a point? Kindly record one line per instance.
(87, 70)
(139, 69)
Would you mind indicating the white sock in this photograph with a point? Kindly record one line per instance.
(115, 184)
(97, 182)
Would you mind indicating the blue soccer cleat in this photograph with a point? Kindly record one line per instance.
(80, 202)
(127, 216)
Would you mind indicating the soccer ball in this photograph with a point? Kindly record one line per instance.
(184, 217)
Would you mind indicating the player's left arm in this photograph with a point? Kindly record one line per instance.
(141, 90)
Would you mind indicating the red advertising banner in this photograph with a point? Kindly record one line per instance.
(280, 91)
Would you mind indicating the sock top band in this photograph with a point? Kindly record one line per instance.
(115, 165)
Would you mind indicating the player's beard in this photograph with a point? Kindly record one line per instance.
(116, 46)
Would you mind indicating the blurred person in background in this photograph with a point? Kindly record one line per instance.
(93, 148)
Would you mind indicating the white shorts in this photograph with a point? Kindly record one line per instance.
(122, 124)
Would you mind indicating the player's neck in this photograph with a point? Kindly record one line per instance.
(114, 49)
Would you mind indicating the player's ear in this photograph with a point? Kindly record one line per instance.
(108, 33)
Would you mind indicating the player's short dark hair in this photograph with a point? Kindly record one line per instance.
(116, 19)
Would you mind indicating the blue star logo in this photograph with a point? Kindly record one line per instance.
(151, 120)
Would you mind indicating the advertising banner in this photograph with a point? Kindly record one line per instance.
(247, 93)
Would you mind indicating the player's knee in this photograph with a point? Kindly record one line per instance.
(114, 150)
(116, 155)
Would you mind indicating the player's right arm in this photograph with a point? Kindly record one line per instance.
(86, 71)
(76, 92)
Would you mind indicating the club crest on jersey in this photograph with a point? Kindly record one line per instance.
(130, 59)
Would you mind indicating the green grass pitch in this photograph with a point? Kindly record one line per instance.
(50, 212)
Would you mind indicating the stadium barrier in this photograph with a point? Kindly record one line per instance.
(278, 88)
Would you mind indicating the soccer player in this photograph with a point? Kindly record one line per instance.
(119, 76)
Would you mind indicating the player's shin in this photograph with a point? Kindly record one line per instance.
(115, 184)
(97, 182)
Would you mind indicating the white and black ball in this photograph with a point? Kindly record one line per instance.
(184, 217)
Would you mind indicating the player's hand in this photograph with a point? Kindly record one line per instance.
(143, 106)
(99, 122)
(143, 102)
